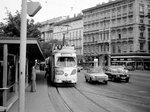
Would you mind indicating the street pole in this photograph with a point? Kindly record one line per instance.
(22, 56)
(63, 39)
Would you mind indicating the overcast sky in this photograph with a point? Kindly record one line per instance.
(50, 8)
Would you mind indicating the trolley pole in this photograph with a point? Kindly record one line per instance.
(22, 56)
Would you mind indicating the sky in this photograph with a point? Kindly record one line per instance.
(50, 8)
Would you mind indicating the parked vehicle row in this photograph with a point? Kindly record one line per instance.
(113, 73)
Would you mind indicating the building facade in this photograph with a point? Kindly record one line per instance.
(72, 30)
(118, 32)
(46, 28)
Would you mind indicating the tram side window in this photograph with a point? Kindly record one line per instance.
(1, 75)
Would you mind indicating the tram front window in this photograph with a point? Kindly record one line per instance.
(66, 62)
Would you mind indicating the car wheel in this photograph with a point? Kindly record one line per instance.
(86, 79)
(127, 80)
(91, 80)
(113, 78)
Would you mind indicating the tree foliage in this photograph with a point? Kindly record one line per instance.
(13, 25)
(47, 46)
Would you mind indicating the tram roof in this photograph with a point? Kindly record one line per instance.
(65, 49)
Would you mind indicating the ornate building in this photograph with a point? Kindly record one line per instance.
(118, 32)
(46, 28)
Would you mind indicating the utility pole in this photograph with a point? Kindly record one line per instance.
(64, 38)
(33, 8)
(22, 56)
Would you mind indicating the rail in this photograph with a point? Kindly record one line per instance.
(6, 88)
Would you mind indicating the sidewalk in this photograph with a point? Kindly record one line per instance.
(36, 101)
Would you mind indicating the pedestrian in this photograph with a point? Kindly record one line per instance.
(46, 71)
(33, 79)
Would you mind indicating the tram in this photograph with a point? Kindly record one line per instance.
(63, 65)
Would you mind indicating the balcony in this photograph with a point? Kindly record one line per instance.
(113, 40)
(119, 15)
(142, 27)
(142, 38)
(124, 39)
(124, 14)
(130, 39)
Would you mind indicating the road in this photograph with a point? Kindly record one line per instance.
(113, 97)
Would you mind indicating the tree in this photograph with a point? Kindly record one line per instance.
(13, 24)
(47, 46)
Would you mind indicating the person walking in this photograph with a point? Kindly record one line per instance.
(33, 79)
(46, 71)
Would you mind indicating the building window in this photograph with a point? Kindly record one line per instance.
(113, 49)
(141, 34)
(142, 21)
(149, 46)
(119, 48)
(141, 8)
(131, 19)
(124, 47)
(141, 46)
(131, 7)
(119, 36)
(149, 33)
(130, 47)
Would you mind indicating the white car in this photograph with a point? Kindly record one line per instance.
(96, 74)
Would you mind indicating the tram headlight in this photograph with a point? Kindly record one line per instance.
(74, 71)
(59, 72)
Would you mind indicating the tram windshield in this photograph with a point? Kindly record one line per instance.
(66, 61)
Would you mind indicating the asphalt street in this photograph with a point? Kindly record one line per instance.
(86, 97)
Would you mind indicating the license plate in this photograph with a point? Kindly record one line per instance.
(123, 77)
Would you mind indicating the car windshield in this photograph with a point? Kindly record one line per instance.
(66, 62)
(97, 70)
(117, 67)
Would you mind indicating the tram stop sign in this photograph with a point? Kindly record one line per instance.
(33, 8)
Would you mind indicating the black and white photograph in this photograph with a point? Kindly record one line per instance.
(74, 55)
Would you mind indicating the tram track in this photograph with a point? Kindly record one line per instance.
(92, 100)
(59, 104)
(69, 107)
(65, 103)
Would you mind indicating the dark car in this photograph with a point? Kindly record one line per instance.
(117, 73)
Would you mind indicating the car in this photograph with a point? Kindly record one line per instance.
(96, 74)
(117, 73)
(130, 67)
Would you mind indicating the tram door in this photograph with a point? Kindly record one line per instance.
(1, 83)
